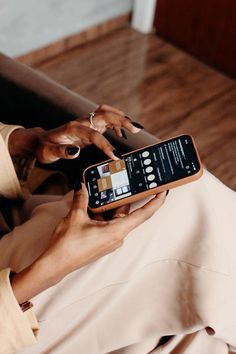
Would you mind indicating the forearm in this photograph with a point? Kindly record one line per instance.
(34, 279)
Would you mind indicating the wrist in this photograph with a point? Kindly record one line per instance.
(49, 266)
(33, 280)
(55, 263)
(24, 142)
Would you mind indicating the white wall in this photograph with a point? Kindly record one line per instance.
(26, 25)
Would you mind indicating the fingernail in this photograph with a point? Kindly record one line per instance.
(117, 154)
(167, 192)
(137, 125)
(72, 150)
(123, 134)
(77, 185)
(128, 118)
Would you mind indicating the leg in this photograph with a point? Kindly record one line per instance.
(156, 284)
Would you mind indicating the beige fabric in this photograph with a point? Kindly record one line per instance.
(22, 168)
(6, 130)
(15, 330)
(174, 275)
(9, 184)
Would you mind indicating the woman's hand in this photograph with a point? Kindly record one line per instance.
(112, 118)
(66, 140)
(77, 241)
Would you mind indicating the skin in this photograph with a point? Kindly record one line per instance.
(51, 145)
(79, 238)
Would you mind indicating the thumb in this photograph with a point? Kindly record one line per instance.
(79, 203)
(50, 152)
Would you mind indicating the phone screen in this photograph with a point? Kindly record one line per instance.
(141, 170)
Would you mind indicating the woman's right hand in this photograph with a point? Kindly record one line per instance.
(79, 240)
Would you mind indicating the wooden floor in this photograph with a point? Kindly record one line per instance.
(163, 88)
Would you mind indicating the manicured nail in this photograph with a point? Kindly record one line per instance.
(137, 125)
(77, 185)
(117, 154)
(167, 192)
(123, 134)
(72, 150)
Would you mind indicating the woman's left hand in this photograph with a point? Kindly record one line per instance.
(66, 140)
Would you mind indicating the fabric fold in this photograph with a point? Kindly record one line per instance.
(16, 326)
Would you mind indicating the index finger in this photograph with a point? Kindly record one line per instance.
(138, 216)
(91, 136)
(103, 144)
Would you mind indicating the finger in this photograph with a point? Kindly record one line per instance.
(80, 203)
(121, 211)
(118, 132)
(114, 121)
(103, 144)
(106, 107)
(90, 136)
(126, 123)
(50, 152)
(142, 214)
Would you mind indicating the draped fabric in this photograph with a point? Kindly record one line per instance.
(171, 287)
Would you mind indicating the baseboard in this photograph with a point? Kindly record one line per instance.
(72, 41)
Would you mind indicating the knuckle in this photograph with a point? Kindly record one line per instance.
(162, 201)
(147, 215)
(94, 135)
(125, 122)
(71, 124)
(108, 115)
(118, 123)
(103, 106)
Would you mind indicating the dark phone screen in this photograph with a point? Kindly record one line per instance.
(142, 170)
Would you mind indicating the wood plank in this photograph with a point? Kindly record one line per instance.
(168, 91)
(154, 76)
(214, 128)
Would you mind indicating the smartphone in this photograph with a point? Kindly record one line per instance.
(142, 172)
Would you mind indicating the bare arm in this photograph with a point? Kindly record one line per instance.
(93, 238)
(77, 241)
(65, 141)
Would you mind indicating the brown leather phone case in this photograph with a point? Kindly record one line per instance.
(153, 191)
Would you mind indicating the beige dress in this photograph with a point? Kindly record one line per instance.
(174, 276)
